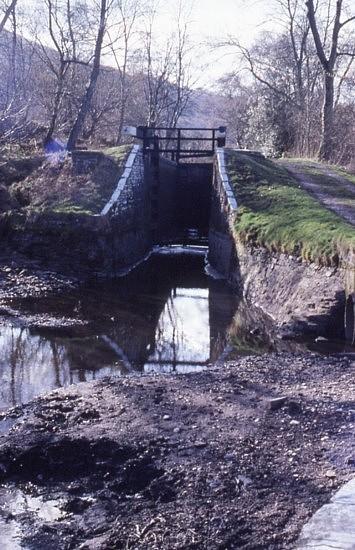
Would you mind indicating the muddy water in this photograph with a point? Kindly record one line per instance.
(166, 316)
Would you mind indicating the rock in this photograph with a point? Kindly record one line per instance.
(321, 339)
(294, 407)
(276, 403)
(245, 480)
(229, 456)
(78, 505)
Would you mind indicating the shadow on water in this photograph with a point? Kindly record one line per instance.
(165, 316)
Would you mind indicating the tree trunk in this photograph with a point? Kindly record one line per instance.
(326, 147)
(121, 120)
(7, 14)
(56, 106)
(328, 65)
(90, 89)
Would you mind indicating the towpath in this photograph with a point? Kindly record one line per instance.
(332, 526)
(333, 187)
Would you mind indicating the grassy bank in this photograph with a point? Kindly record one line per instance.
(55, 186)
(274, 212)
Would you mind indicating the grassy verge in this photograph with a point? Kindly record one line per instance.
(56, 187)
(333, 179)
(274, 212)
(315, 168)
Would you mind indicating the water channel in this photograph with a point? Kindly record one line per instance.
(165, 316)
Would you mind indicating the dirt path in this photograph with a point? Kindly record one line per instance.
(333, 189)
(203, 461)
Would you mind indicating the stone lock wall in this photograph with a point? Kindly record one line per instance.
(128, 213)
(222, 252)
(93, 245)
(298, 296)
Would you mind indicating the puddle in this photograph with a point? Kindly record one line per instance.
(166, 316)
(17, 509)
(11, 535)
(17, 502)
(6, 424)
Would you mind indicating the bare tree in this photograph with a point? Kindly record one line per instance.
(168, 82)
(60, 28)
(328, 61)
(182, 80)
(127, 13)
(7, 10)
(157, 66)
(105, 6)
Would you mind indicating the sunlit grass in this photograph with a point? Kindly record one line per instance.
(276, 213)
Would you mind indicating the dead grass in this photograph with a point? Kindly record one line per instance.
(55, 186)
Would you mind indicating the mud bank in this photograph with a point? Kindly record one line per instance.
(23, 277)
(207, 460)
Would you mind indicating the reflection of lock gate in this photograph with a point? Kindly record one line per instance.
(179, 143)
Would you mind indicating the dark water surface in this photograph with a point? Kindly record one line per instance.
(165, 316)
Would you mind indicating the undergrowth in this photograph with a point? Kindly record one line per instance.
(56, 187)
(274, 212)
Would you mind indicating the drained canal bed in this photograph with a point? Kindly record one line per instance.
(202, 460)
(165, 316)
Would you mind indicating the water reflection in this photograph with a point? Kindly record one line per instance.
(165, 316)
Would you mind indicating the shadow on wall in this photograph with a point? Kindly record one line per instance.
(350, 319)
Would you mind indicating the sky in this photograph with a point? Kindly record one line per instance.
(215, 21)
(211, 21)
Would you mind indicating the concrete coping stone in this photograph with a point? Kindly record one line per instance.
(232, 202)
(333, 525)
(122, 181)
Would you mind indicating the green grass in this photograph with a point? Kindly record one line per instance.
(316, 168)
(118, 154)
(274, 212)
(70, 208)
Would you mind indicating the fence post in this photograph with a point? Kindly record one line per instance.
(178, 146)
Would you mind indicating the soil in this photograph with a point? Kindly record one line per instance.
(186, 461)
(198, 461)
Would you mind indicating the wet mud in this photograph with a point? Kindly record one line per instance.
(235, 454)
(205, 460)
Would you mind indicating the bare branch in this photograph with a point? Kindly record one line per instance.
(7, 14)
